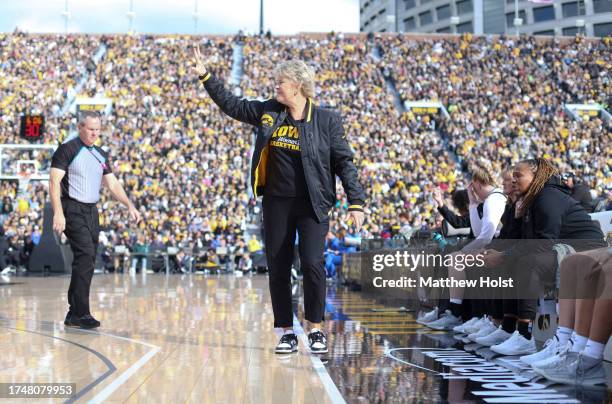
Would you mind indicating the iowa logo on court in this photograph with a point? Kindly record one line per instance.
(266, 120)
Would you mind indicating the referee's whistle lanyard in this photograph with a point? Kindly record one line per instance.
(102, 163)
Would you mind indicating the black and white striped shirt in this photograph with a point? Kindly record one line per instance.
(84, 166)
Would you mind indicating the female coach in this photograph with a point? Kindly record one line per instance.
(299, 150)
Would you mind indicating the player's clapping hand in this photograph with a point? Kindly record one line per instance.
(437, 197)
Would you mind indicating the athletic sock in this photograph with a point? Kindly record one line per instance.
(579, 343)
(594, 349)
(563, 335)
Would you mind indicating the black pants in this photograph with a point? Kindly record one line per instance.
(82, 231)
(537, 270)
(282, 217)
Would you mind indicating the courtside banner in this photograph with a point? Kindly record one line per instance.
(505, 269)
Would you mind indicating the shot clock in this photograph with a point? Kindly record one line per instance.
(32, 127)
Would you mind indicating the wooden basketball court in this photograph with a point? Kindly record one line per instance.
(209, 339)
(163, 339)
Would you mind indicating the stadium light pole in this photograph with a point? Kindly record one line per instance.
(196, 15)
(66, 16)
(517, 20)
(396, 17)
(130, 15)
(261, 28)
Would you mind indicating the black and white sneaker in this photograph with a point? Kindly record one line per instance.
(317, 342)
(287, 344)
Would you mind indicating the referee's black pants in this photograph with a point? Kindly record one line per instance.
(282, 217)
(82, 231)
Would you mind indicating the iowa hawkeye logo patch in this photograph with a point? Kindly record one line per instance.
(266, 120)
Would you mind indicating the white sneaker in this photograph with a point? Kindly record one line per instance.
(474, 328)
(428, 317)
(515, 345)
(589, 374)
(446, 322)
(552, 360)
(461, 328)
(573, 370)
(495, 338)
(551, 348)
(486, 329)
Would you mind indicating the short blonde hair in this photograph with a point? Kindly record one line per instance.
(483, 173)
(301, 73)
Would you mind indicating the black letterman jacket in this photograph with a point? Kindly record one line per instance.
(324, 149)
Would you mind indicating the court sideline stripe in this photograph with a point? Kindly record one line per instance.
(112, 387)
(389, 354)
(319, 367)
(111, 367)
(108, 390)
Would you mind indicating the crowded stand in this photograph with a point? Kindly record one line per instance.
(504, 96)
(388, 145)
(166, 137)
(495, 154)
(38, 73)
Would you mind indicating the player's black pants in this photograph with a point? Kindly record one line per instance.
(82, 231)
(282, 217)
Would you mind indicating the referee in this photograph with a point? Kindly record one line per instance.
(78, 169)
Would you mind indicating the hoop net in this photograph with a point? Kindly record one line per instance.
(24, 180)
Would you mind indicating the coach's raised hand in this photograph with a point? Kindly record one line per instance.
(200, 67)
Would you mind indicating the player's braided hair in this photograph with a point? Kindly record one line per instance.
(543, 169)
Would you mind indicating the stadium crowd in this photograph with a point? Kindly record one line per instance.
(183, 162)
(506, 97)
(38, 73)
(186, 164)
